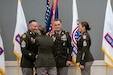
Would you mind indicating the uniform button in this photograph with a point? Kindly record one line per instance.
(29, 54)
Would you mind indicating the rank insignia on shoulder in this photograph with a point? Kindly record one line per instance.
(64, 44)
(54, 38)
(24, 36)
(84, 36)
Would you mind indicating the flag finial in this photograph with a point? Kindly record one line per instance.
(20, 1)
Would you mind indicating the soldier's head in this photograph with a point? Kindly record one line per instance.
(58, 25)
(33, 25)
(83, 26)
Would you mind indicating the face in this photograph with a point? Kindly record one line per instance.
(58, 26)
(80, 28)
(33, 27)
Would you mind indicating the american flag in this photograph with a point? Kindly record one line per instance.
(48, 16)
(49, 13)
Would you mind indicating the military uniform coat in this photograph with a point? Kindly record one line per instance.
(29, 49)
(83, 44)
(45, 56)
(62, 48)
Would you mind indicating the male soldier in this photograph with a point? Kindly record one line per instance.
(62, 48)
(29, 48)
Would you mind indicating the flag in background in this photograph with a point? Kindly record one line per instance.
(20, 28)
(75, 33)
(48, 16)
(51, 14)
(107, 41)
(2, 61)
(55, 13)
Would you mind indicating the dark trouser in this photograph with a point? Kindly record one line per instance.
(62, 71)
(86, 70)
(27, 71)
(46, 70)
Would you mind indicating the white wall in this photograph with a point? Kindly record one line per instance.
(98, 68)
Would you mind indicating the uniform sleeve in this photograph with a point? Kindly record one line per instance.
(85, 47)
(69, 49)
(24, 48)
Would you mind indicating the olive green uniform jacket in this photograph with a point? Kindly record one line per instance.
(45, 56)
(83, 44)
(62, 48)
(29, 49)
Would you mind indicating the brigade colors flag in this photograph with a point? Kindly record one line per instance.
(20, 28)
(2, 61)
(107, 41)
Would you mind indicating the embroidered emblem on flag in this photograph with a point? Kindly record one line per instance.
(109, 39)
(17, 38)
(1, 51)
(75, 35)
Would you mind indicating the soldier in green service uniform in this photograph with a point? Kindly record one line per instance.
(29, 48)
(45, 62)
(84, 56)
(62, 48)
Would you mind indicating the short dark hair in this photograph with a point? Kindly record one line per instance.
(58, 20)
(32, 21)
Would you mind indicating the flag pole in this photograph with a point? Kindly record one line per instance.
(17, 66)
(106, 70)
(21, 1)
(53, 15)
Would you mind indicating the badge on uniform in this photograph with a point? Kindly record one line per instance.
(23, 44)
(84, 36)
(84, 43)
(30, 54)
(54, 38)
(24, 36)
(30, 32)
(62, 33)
(32, 40)
(64, 37)
(64, 44)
